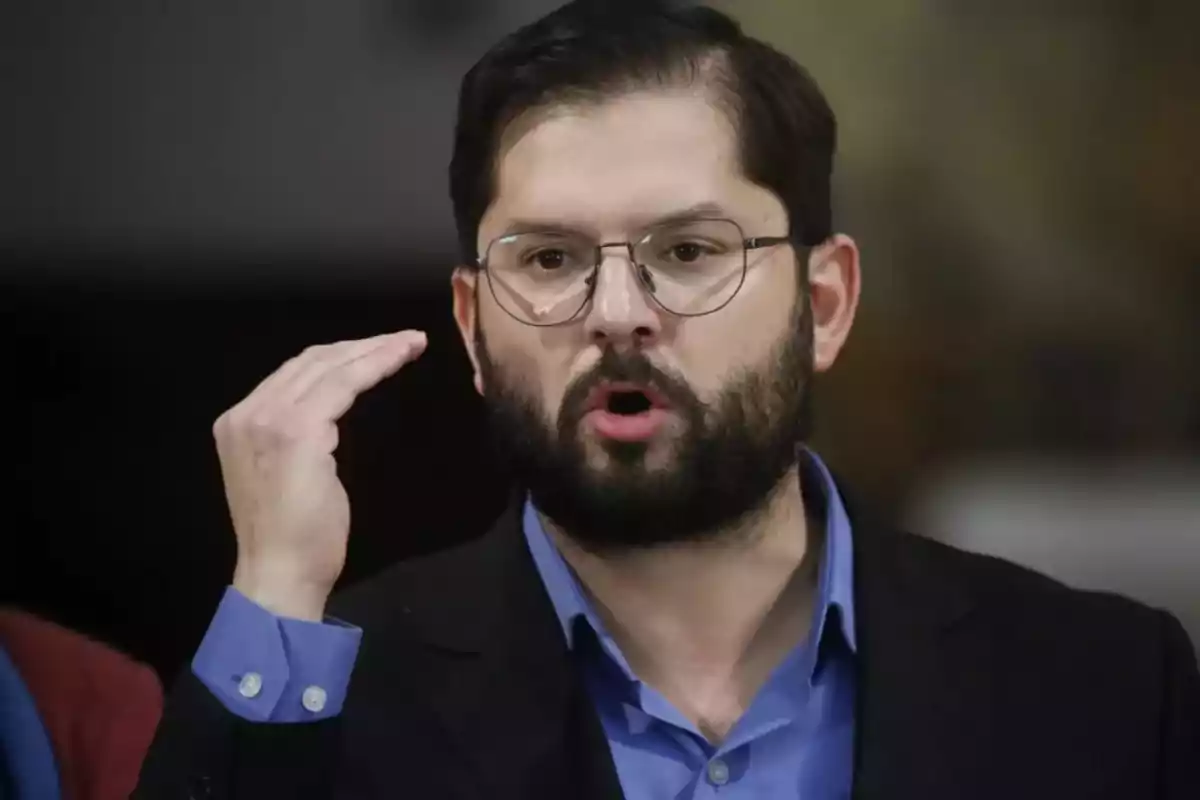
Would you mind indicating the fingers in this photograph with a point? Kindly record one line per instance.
(289, 381)
(331, 391)
(318, 386)
(318, 362)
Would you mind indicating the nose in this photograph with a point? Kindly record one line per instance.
(621, 312)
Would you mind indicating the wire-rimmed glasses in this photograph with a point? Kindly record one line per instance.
(690, 268)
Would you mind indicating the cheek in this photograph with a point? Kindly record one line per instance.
(526, 365)
(550, 385)
(718, 347)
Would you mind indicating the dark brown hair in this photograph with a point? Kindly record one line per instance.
(588, 50)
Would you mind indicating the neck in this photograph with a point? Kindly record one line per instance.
(707, 622)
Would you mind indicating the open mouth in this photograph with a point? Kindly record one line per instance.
(626, 412)
(628, 403)
(626, 400)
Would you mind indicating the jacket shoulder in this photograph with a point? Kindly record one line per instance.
(1014, 595)
(426, 585)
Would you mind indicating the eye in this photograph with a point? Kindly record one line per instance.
(688, 252)
(547, 258)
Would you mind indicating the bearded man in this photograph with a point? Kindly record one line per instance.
(680, 603)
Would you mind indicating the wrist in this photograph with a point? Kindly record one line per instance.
(281, 594)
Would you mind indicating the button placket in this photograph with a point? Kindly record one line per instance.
(718, 772)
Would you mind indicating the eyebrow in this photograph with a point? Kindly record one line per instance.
(704, 210)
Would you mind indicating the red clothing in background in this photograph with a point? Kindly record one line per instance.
(99, 707)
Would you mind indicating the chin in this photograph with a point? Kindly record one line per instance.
(624, 459)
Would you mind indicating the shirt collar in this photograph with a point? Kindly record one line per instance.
(835, 584)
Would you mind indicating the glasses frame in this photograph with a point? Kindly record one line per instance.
(640, 270)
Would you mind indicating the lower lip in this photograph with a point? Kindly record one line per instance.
(628, 427)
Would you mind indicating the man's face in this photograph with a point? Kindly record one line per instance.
(728, 389)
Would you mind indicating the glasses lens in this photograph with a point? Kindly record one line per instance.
(694, 267)
(541, 278)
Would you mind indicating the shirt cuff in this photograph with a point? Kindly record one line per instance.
(266, 668)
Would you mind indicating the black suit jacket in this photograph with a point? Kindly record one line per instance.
(977, 680)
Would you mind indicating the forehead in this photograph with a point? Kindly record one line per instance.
(624, 162)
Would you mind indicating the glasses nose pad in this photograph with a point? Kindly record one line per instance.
(647, 278)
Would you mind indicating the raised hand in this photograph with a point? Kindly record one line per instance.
(290, 511)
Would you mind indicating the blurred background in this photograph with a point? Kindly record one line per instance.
(191, 193)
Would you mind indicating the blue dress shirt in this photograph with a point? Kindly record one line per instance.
(795, 740)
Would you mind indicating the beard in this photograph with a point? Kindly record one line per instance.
(730, 456)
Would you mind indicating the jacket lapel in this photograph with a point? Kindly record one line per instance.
(502, 680)
(923, 696)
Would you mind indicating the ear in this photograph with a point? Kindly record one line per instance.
(464, 284)
(834, 281)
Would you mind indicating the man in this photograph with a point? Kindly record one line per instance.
(76, 717)
(679, 603)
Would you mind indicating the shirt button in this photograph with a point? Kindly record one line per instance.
(313, 699)
(250, 685)
(718, 772)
